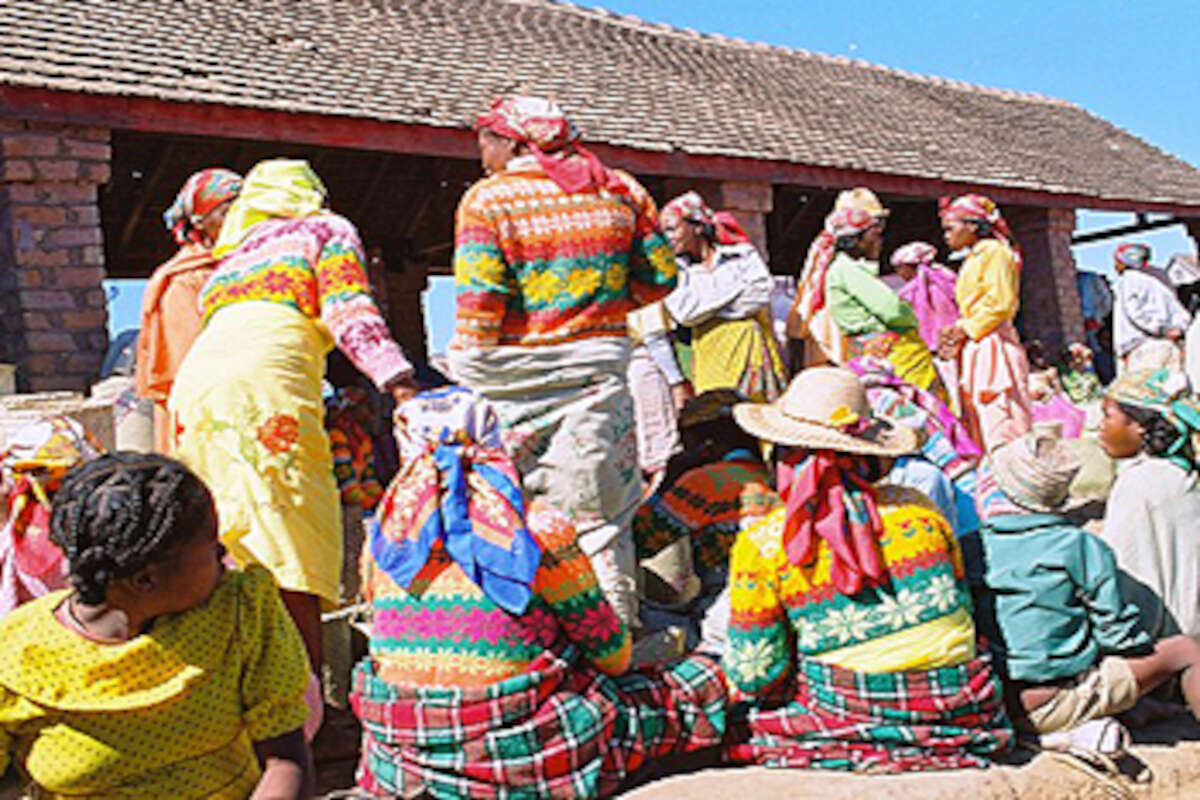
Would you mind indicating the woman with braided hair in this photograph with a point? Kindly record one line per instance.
(159, 675)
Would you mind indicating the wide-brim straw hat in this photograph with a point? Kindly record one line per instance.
(1036, 470)
(862, 198)
(825, 408)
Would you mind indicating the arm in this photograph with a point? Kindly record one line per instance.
(652, 267)
(759, 654)
(483, 282)
(875, 296)
(349, 312)
(287, 768)
(566, 582)
(1114, 621)
(998, 304)
(1148, 304)
(658, 345)
(704, 292)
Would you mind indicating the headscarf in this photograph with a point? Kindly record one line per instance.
(930, 292)
(826, 498)
(978, 208)
(543, 127)
(1132, 255)
(841, 222)
(37, 457)
(456, 485)
(201, 193)
(278, 187)
(1165, 392)
(690, 206)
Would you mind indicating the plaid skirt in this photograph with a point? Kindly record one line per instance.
(840, 719)
(562, 729)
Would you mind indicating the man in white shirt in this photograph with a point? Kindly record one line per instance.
(1148, 320)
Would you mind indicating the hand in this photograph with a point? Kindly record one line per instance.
(681, 393)
(1174, 334)
(950, 341)
(403, 389)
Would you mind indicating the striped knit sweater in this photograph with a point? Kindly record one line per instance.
(778, 607)
(710, 504)
(446, 632)
(534, 265)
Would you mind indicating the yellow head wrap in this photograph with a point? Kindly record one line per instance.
(280, 187)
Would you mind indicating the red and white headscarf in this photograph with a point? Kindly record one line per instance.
(979, 208)
(1133, 255)
(543, 127)
(914, 254)
(201, 193)
(690, 206)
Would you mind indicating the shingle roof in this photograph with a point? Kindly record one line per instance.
(627, 82)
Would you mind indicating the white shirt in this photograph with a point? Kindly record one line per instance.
(1146, 307)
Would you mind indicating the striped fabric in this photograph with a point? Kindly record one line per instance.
(559, 730)
(534, 265)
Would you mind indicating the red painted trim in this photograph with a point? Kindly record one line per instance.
(205, 119)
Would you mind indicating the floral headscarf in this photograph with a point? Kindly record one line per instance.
(457, 486)
(979, 208)
(690, 206)
(201, 193)
(1132, 255)
(827, 498)
(279, 187)
(1167, 393)
(542, 125)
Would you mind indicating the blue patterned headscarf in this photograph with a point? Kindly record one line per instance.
(1167, 393)
(456, 487)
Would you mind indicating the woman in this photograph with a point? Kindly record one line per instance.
(1152, 520)
(870, 317)
(496, 665)
(553, 249)
(171, 318)
(159, 674)
(848, 604)
(929, 289)
(993, 371)
(724, 296)
(246, 404)
(716, 487)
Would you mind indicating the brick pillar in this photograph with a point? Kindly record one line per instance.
(750, 202)
(53, 313)
(1050, 308)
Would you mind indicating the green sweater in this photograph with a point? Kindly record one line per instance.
(1047, 598)
(860, 302)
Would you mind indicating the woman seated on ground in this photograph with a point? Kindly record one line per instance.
(715, 488)
(848, 604)
(495, 663)
(1152, 520)
(1049, 401)
(206, 673)
(1070, 647)
(724, 296)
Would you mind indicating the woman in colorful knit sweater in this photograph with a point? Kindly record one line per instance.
(495, 663)
(717, 487)
(246, 404)
(849, 602)
(553, 250)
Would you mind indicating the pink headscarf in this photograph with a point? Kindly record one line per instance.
(827, 499)
(930, 292)
(690, 206)
(979, 208)
(552, 138)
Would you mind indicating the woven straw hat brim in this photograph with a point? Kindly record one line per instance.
(770, 424)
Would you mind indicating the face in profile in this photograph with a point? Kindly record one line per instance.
(1121, 436)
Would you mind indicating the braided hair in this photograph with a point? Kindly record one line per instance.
(1160, 435)
(115, 515)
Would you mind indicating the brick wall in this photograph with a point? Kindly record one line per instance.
(1050, 308)
(52, 306)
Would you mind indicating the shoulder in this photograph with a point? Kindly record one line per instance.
(763, 539)
(332, 226)
(253, 584)
(990, 249)
(636, 190)
(1150, 481)
(902, 505)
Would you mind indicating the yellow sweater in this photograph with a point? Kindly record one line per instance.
(988, 290)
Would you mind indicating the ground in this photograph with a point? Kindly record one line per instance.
(1170, 749)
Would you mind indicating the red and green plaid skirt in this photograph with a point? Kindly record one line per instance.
(839, 719)
(562, 729)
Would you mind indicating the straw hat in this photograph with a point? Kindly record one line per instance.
(1035, 471)
(863, 198)
(825, 408)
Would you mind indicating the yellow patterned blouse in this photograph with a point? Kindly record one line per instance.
(171, 714)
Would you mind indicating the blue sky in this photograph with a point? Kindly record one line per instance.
(1134, 63)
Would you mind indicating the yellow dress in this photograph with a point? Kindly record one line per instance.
(172, 713)
(739, 354)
